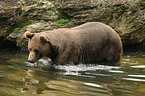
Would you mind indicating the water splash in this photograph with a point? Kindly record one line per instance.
(85, 67)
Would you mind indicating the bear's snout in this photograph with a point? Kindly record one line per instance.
(32, 57)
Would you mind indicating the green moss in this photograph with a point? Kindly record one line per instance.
(18, 26)
(21, 25)
(62, 22)
(142, 2)
(8, 6)
(17, 30)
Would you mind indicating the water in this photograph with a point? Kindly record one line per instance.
(21, 78)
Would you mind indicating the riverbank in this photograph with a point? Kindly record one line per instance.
(125, 16)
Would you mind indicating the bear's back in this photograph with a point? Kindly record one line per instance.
(91, 25)
(95, 32)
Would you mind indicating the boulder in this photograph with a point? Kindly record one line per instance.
(16, 15)
(125, 16)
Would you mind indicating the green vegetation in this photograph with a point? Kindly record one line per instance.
(142, 2)
(8, 6)
(62, 22)
(17, 27)
(21, 25)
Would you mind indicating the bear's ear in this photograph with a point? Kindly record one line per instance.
(43, 38)
(29, 35)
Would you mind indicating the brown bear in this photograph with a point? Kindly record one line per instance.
(92, 42)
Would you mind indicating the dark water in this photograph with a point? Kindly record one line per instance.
(20, 78)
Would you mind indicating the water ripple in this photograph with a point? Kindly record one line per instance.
(97, 74)
(134, 79)
(116, 71)
(138, 66)
(140, 78)
(92, 84)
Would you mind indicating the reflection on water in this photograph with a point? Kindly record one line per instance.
(21, 78)
(40, 82)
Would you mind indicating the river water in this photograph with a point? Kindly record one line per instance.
(21, 78)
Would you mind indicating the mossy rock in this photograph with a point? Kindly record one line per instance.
(35, 27)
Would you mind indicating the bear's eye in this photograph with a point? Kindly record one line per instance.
(36, 50)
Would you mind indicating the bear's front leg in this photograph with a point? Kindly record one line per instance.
(63, 59)
(60, 60)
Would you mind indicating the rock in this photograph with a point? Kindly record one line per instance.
(15, 16)
(18, 34)
(8, 18)
(125, 16)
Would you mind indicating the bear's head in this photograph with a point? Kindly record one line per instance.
(38, 45)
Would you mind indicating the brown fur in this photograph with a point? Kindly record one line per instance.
(88, 43)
